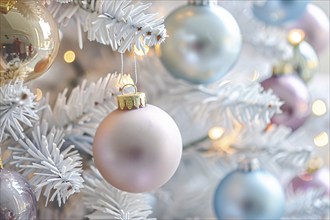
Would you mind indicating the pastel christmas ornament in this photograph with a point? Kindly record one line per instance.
(204, 42)
(278, 12)
(29, 43)
(138, 147)
(249, 193)
(17, 199)
(315, 23)
(312, 180)
(287, 85)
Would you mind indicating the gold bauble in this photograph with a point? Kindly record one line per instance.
(28, 43)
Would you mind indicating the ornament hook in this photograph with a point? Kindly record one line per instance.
(127, 85)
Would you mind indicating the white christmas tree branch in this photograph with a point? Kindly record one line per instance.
(273, 145)
(80, 114)
(108, 202)
(224, 102)
(55, 171)
(118, 23)
(228, 103)
(307, 205)
(18, 108)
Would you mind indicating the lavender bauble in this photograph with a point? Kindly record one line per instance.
(137, 150)
(293, 92)
(315, 24)
(17, 199)
(318, 180)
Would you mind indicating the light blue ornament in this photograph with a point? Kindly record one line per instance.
(278, 12)
(203, 44)
(249, 193)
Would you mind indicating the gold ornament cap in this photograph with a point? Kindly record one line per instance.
(282, 68)
(131, 101)
(6, 5)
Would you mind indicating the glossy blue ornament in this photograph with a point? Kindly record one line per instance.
(249, 193)
(278, 12)
(203, 44)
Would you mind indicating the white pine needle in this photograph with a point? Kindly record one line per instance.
(308, 205)
(54, 171)
(108, 202)
(80, 114)
(118, 23)
(18, 108)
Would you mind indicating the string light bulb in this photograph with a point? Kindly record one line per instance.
(321, 139)
(69, 56)
(296, 36)
(319, 107)
(216, 133)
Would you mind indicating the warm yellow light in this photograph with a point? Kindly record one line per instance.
(321, 139)
(315, 163)
(157, 50)
(319, 107)
(216, 133)
(69, 56)
(140, 52)
(296, 36)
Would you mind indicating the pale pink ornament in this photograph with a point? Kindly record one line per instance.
(315, 23)
(138, 147)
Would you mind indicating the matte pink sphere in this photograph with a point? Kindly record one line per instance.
(293, 92)
(137, 150)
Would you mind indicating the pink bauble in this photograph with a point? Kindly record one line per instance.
(308, 181)
(137, 150)
(294, 93)
(315, 24)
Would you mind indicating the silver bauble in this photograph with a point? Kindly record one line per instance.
(17, 199)
(203, 44)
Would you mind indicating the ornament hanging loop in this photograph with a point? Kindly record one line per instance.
(127, 85)
(132, 100)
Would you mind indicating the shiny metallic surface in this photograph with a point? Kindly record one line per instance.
(203, 44)
(17, 199)
(249, 195)
(28, 45)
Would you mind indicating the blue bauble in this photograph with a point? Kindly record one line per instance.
(249, 194)
(203, 44)
(278, 12)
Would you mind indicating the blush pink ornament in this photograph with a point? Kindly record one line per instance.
(318, 179)
(287, 85)
(315, 23)
(138, 147)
